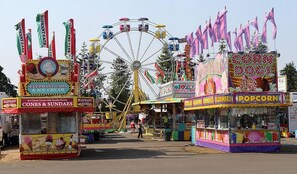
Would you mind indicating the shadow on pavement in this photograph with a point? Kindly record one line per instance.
(105, 154)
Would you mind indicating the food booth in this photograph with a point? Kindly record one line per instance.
(49, 107)
(236, 104)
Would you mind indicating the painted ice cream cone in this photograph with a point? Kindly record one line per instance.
(28, 142)
(48, 142)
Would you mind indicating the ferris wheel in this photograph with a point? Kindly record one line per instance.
(127, 57)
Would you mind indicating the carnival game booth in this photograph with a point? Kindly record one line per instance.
(237, 106)
(170, 104)
(49, 107)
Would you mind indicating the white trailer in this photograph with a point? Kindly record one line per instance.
(9, 129)
(292, 112)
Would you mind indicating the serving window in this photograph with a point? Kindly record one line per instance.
(48, 123)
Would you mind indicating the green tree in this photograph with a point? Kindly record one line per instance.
(6, 86)
(120, 82)
(222, 46)
(261, 48)
(166, 63)
(290, 71)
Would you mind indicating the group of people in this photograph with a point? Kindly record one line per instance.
(139, 126)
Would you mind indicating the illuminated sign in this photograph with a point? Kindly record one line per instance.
(48, 88)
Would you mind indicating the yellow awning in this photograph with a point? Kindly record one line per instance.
(235, 106)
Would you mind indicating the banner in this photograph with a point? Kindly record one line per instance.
(21, 40)
(69, 38)
(160, 70)
(52, 48)
(149, 77)
(29, 44)
(42, 29)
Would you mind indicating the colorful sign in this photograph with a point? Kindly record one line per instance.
(81, 102)
(177, 89)
(240, 98)
(47, 69)
(253, 136)
(224, 99)
(184, 87)
(211, 77)
(9, 103)
(166, 90)
(46, 102)
(252, 72)
(48, 144)
(48, 88)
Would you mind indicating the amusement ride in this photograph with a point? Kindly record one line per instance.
(123, 63)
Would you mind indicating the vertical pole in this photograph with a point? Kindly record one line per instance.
(173, 116)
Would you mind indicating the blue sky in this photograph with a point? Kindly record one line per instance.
(180, 18)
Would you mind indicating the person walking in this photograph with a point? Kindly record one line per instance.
(132, 127)
(140, 126)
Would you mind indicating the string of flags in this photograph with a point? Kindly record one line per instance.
(217, 31)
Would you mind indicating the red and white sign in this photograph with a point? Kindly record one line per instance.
(44, 102)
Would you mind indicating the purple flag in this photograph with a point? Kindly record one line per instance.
(247, 34)
(205, 36)
(239, 39)
(254, 23)
(236, 40)
(271, 19)
(190, 40)
(211, 33)
(199, 40)
(196, 42)
(223, 22)
(216, 28)
(264, 32)
(229, 40)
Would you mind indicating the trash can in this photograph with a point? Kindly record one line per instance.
(167, 136)
(96, 135)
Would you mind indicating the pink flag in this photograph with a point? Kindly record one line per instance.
(254, 23)
(239, 39)
(223, 22)
(216, 28)
(236, 40)
(271, 19)
(228, 39)
(198, 40)
(190, 41)
(264, 32)
(211, 33)
(205, 36)
(247, 36)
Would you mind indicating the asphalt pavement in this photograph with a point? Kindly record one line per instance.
(125, 153)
